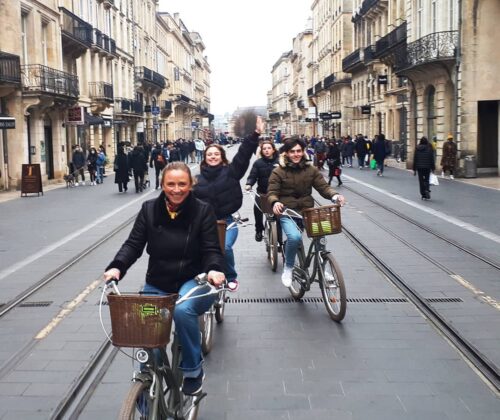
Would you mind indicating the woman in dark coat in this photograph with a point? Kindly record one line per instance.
(423, 164)
(180, 235)
(138, 163)
(121, 169)
(260, 172)
(379, 153)
(333, 162)
(219, 184)
(91, 164)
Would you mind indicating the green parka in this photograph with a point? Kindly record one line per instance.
(291, 184)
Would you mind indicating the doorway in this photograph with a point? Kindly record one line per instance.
(487, 134)
(47, 148)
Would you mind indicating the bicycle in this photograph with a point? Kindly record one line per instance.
(206, 321)
(272, 230)
(319, 222)
(144, 322)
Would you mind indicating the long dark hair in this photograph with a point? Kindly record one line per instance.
(261, 145)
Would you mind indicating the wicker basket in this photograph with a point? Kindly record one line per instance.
(264, 204)
(221, 231)
(141, 320)
(321, 221)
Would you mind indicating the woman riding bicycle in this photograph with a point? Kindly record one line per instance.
(260, 172)
(180, 236)
(290, 186)
(219, 184)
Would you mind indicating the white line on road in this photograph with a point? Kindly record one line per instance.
(21, 264)
(446, 217)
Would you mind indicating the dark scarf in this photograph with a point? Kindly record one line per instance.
(211, 172)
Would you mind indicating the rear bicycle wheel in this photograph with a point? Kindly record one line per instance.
(296, 289)
(137, 403)
(333, 288)
(220, 306)
(273, 246)
(206, 322)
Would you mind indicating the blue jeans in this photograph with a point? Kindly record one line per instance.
(293, 239)
(231, 236)
(186, 326)
(99, 174)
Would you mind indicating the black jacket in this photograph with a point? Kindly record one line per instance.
(121, 168)
(423, 157)
(178, 249)
(220, 185)
(260, 172)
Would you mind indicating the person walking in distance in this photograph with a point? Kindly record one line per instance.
(260, 172)
(158, 160)
(360, 150)
(78, 160)
(449, 158)
(120, 166)
(290, 186)
(137, 163)
(423, 164)
(380, 153)
(333, 162)
(91, 164)
(219, 184)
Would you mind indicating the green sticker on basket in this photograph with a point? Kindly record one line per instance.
(314, 228)
(149, 309)
(326, 226)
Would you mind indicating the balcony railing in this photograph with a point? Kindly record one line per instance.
(101, 91)
(10, 69)
(148, 75)
(46, 80)
(310, 92)
(329, 81)
(97, 38)
(368, 54)
(300, 104)
(433, 47)
(318, 87)
(76, 28)
(386, 44)
(351, 60)
(136, 107)
(183, 98)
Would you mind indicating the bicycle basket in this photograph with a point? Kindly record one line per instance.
(321, 221)
(221, 230)
(141, 320)
(264, 204)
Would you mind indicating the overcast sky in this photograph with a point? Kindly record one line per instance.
(243, 41)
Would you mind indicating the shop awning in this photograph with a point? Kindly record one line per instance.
(7, 122)
(93, 119)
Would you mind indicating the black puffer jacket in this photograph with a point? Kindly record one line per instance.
(423, 157)
(178, 249)
(260, 172)
(220, 185)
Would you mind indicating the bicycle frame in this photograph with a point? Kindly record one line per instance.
(315, 254)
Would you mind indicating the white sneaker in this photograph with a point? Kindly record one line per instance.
(442, 174)
(76, 184)
(452, 177)
(286, 277)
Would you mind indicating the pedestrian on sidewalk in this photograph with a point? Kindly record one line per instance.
(423, 164)
(380, 153)
(78, 160)
(100, 162)
(120, 166)
(137, 163)
(219, 184)
(91, 165)
(361, 150)
(333, 162)
(260, 172)
(347, 151)
(158, 160)
(449, 158)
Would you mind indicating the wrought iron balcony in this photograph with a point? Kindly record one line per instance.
(10, 69)
(368, 54)
(351, 61)
(435, 47)
(182, 98)
(329, 81)
(150, 77)
(137, 107)
(166, 108)
(97, 39)
(45, 80)
(76, 34)
(385, 45)
(318, 87)
(101, 91)
(122, 105)
(310, 92)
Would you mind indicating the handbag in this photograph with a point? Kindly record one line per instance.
(337, 171)
(373, 164)
(433, 179)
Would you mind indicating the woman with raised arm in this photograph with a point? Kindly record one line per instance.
(219, 184)
(180, 235)
(290, 186)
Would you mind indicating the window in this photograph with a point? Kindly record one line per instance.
(24, 37)
(433, 17)
(44, 44)
(431, 112)
(451, 14)
(420, 13)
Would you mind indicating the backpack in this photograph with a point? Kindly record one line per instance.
(101, 159)
(160, 159)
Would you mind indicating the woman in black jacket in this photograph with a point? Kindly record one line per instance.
(180, 236)
(219, 184)
(423, 163)
(120, 166)
(260, 172)
(333, 162)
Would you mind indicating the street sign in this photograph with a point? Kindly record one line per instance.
(76, 115)
(7, 122)
(311, 112)
(325, 116)
(366, 109)
(155, 110)
(382, 79)
(147, 108)
(336, 115)
(31, 179)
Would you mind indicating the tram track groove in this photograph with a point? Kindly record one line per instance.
(488, 370)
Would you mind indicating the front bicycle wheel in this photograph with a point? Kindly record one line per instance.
(206, 322)
(220, 305)
(273, 246)
(333, 288)
(137, 403)
(296, 289)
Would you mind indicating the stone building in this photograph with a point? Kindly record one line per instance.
(279, 109)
